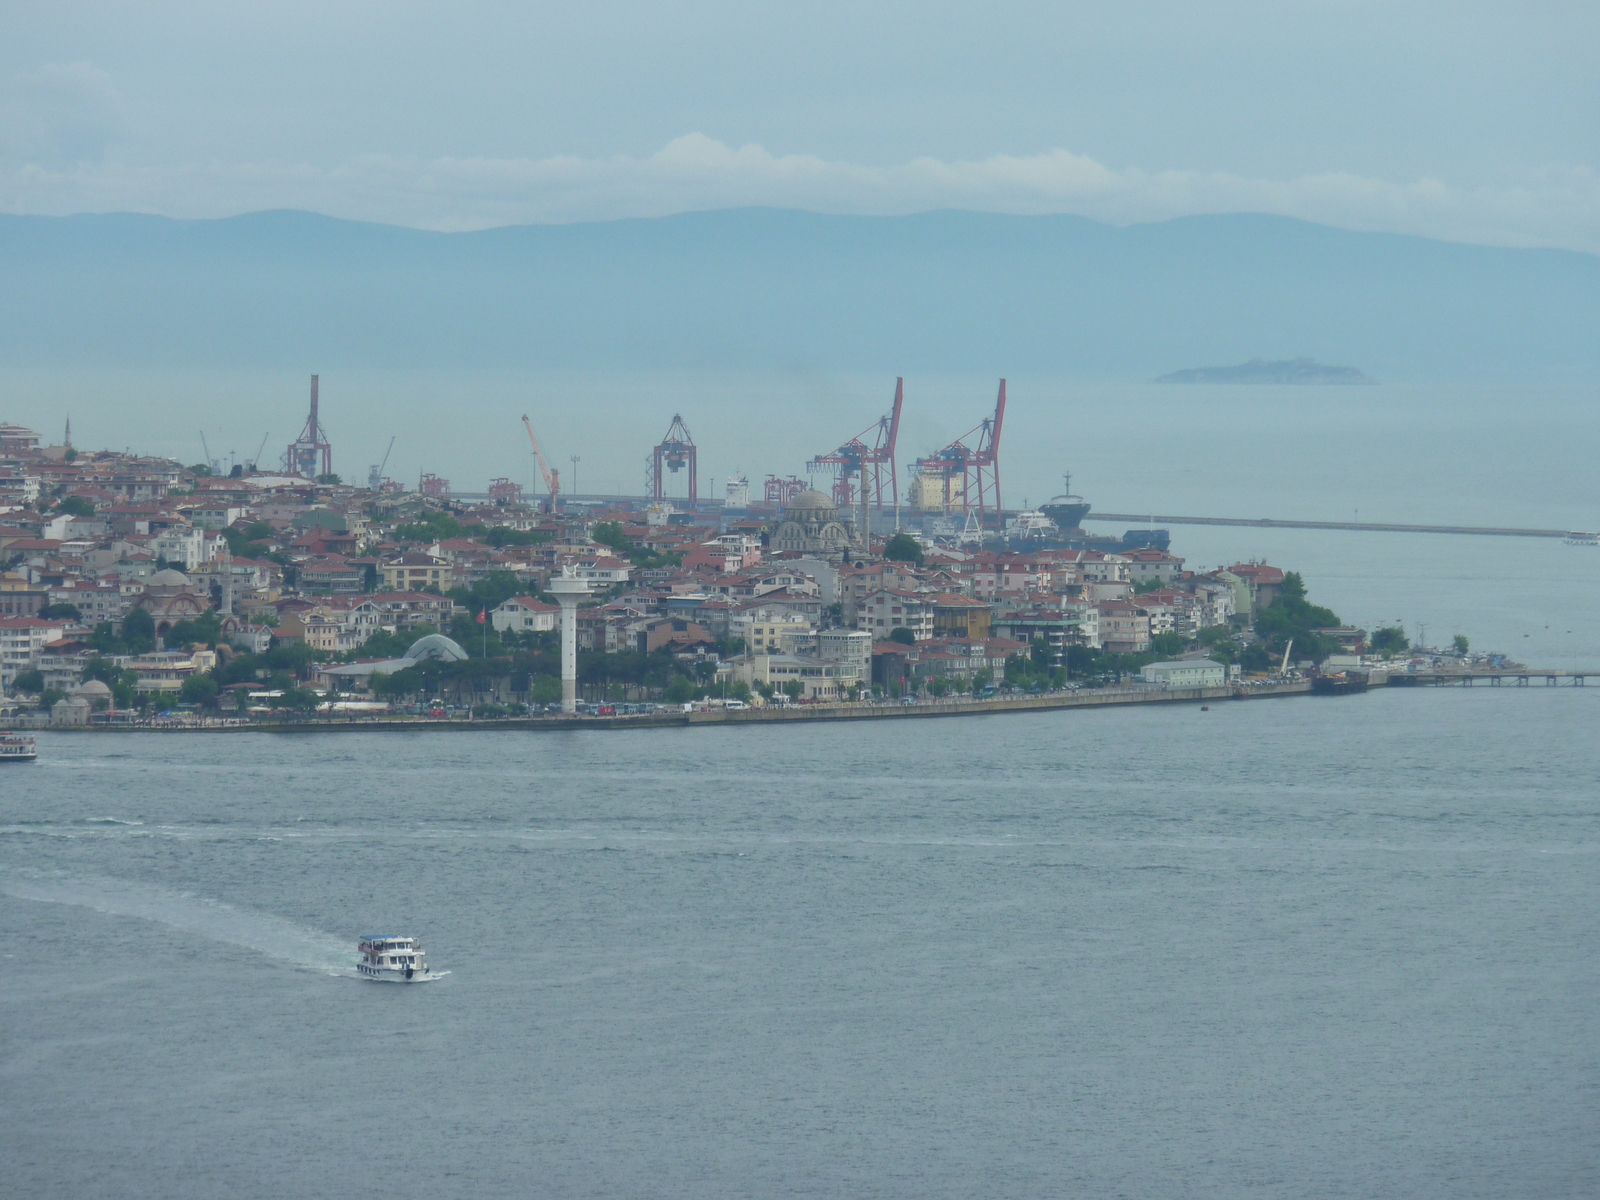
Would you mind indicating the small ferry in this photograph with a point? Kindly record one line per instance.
(1578, 537)
(392, 959)
(17, 748)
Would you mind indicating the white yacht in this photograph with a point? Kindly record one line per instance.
(18, 748)
(392, 959)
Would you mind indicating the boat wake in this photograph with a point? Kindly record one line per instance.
(275, 937)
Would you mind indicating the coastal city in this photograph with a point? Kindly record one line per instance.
(139, 590)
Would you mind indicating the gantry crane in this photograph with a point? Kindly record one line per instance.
(978, 466)
(552, 478)
(673, 453)
(858, 465)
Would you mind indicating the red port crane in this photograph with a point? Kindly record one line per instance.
(552, 478)
(977, 465)
(867, 467)
(310, 454)
(674, 452)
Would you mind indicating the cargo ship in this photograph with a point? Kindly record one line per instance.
(1066, 510)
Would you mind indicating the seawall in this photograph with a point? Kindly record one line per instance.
(1097, 698)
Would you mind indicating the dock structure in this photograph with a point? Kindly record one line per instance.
(1518, 677)
(1354, 526)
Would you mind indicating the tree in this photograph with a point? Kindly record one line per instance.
(206, 629)
(138, 634)
(301, 700)
(329, 480)
(432, 526)
(679, 690)
(545, 689)
(49, 697)
(938, 685)
(60, 612)
(76, 506)
(1040, 652)
(793, 689)
(1460, 644)
(902, 547)
(490, 592)
(1167, 644)
(1142, 586)
(29, 681)
(1389, 640)
(1080, 661)
(71, 455)
(400, 683)
(503, 535)
(1290, 617)
(609, 533)
(198, 689)
(902, 635)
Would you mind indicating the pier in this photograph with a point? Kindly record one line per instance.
(1352, 526)
(1519, 677)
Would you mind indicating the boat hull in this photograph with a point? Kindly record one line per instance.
(394, 974)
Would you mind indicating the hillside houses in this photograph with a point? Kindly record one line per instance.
(266, 563)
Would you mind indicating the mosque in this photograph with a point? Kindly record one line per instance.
(812, 525)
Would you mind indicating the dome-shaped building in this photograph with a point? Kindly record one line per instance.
(811, 525)
(169, 597)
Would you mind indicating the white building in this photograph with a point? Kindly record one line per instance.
(189, 547)
(852, 646)
(881, 613)
(819, 680)
(763, 628)
(22, 639)
(525, 614)
(1190, 673)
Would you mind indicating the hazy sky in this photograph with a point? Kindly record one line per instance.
(1468, 120)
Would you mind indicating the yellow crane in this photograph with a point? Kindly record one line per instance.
(552, 478)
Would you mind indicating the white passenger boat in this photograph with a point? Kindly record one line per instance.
(17, 748)
(392, 959)
(1578, 537)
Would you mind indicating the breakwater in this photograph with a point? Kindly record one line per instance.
(1356, 526)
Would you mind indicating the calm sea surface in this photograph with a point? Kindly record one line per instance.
(1290, 948)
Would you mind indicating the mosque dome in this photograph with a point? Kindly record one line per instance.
(811, 499)
(94, 690)
(169, 579)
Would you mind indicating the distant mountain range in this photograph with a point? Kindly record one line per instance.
(1291, 371)
(762, 289)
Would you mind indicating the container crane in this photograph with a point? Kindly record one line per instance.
(977, 466)
(864, 472)
(375, 474)
(673, 453)
(552, 478)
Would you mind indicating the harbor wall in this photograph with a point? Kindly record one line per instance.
(1096, 698)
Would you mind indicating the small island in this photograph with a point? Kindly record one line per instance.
(1295, 371)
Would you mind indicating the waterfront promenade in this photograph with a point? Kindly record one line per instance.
(864, 711)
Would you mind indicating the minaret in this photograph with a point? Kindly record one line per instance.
(226, 559)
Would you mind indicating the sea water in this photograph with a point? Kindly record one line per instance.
(1302, 947)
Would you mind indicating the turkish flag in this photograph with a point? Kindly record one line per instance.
(481, 613)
